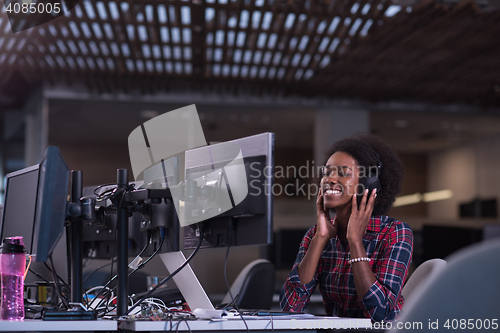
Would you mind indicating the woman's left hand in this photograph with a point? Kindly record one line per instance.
(356, 228)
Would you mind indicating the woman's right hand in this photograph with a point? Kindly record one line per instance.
(326, 229)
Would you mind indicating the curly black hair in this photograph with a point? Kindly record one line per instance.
(364, 147)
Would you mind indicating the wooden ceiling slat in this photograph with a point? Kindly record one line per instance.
(210, 48)
(119, 62)
(227, 50)
(324, 80)
(81, 34)
(278, 28)
(265, 50)
(198, 40)
(4, 23)
(316, 39)
(149, 41)
(72, 73)
(170, 24)
(100, 21)
(214, 47)
(228, 53)
(390, 51)
(237, 9)
(332, 81)
(435, 73)
(284, 38)
(136, 43)
(435, 52)
(219, 89)
(124, 17)
(326, 17)
(251, 41)
(180, 44)
(311, 35)
(156, 25)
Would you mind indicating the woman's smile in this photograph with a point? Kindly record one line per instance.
(335, 190)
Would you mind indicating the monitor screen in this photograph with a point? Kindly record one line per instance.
(479, 208)
(441, 241)
(52, 199)
(229, 183)
(284, 240)
(19, 205)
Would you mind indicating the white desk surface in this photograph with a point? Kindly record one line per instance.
(38, 325)
(236, 324)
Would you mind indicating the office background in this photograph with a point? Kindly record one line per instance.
(421, 75)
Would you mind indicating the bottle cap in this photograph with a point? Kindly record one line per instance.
(12, 245)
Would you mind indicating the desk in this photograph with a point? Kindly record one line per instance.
(255, 325)
(38, 325)
(302, 325)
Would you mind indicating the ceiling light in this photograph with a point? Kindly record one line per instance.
(407, 200)
(437, 195)
(426, 197)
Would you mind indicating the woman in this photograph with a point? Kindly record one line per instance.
(357, 257)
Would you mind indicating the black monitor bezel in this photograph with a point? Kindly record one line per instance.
(8, 177)
(52, 200)
(222, 223)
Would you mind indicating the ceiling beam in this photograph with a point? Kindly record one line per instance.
(292, 101)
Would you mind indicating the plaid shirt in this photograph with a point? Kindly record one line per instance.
(388, 244)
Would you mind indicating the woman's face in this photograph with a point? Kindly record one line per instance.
(340, 180)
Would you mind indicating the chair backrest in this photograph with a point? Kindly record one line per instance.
(466, 288)
(422, 273)
(491, 231)
(255, 286)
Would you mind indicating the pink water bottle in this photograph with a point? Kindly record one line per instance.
(12, 265)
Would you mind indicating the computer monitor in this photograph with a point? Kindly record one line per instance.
(479, 208)
(284, 240)
(19, 205)
(441, 241)
(229, 170)
(52, 199)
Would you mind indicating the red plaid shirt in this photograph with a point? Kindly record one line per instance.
(388, 244)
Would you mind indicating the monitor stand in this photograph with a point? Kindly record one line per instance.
(187, 282)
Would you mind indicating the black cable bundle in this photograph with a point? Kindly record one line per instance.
(162, 282)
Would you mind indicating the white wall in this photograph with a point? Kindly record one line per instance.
(469, 171)
(489, 168)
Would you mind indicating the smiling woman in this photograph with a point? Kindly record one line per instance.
(357, 257)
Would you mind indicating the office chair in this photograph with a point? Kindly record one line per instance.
(255, 286)
(422, 273)
(491, 231)
(467, 288)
